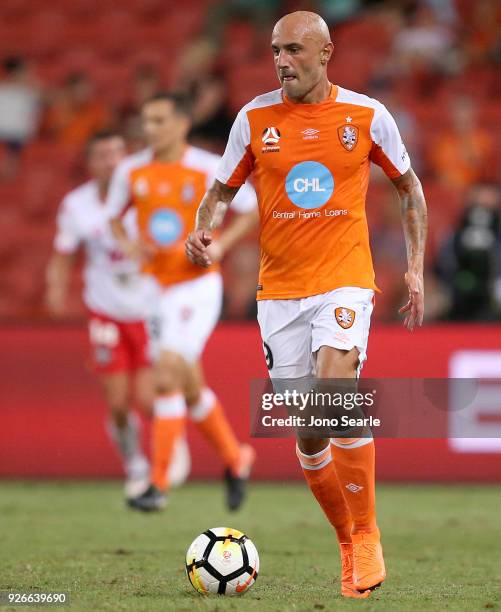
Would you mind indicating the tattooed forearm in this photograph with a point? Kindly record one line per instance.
(214, 206)
(414, 216)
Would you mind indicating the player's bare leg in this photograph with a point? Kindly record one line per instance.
(207, 413)
(144, 390)
(124, 430)
(354, 461)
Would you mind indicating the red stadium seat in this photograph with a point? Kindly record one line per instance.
(246, 81)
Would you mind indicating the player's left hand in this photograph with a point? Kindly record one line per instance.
(415, 306)
(196, 248)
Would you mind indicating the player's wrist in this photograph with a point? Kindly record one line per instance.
(127, 247)
(416, 268)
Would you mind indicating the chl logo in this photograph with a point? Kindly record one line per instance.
(309, 184)
(165, 226)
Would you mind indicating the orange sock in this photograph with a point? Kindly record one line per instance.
(354, 462)
(169, 420)
(322, 480)
(209, 417)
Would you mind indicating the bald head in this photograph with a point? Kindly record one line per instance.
(304, 24)
(302, 48)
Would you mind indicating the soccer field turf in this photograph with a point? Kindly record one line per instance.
(442, 547)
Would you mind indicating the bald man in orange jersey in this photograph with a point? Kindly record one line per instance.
(309, 146)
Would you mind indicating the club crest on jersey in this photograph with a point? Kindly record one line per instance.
(271, 138)
(345, 317)
(348, 136)
(141, 187)
(188, 193)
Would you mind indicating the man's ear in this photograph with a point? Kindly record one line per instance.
(327, 53)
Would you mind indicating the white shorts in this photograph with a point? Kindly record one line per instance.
(186, 314)
(294, 330)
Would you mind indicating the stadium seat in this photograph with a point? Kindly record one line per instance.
(245, 81)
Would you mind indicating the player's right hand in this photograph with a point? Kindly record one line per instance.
(414, 309)
(196, 248)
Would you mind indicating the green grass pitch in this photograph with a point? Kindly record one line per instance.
(442, 547)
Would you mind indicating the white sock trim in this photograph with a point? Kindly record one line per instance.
(306, 456)
(307, 466)
(307, 462)
(357, 444)
(171, 406)
(199, 411)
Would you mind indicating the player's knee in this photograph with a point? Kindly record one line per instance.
(193, 389)
(192, 396)
(169, 373)
(119, 414)
(144, 401)
(311, 446)
(166, 384)
(145, 396)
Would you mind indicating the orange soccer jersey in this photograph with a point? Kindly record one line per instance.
(166, 197)
(311, 171)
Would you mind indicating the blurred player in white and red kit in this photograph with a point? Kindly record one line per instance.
(117, 298)
(164, 185)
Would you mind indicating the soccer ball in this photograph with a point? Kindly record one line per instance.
(222, 561)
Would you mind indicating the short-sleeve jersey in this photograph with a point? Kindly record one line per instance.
(166, 197)
(310, 164)
(113, 284)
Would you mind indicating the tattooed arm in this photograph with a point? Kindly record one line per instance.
(210, 215)
(414, 221)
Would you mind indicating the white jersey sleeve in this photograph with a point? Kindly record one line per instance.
(237, 161)
(67, 239)
(119, 195)
(388, 150)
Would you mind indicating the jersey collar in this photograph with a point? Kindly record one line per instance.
(312, 107)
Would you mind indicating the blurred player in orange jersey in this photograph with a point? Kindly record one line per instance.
(116, 296)
(309, 146)
(164, 184)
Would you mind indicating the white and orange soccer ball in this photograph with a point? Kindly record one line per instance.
(222, 561)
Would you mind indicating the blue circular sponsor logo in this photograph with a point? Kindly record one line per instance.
(165, 226)
(309, 184)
